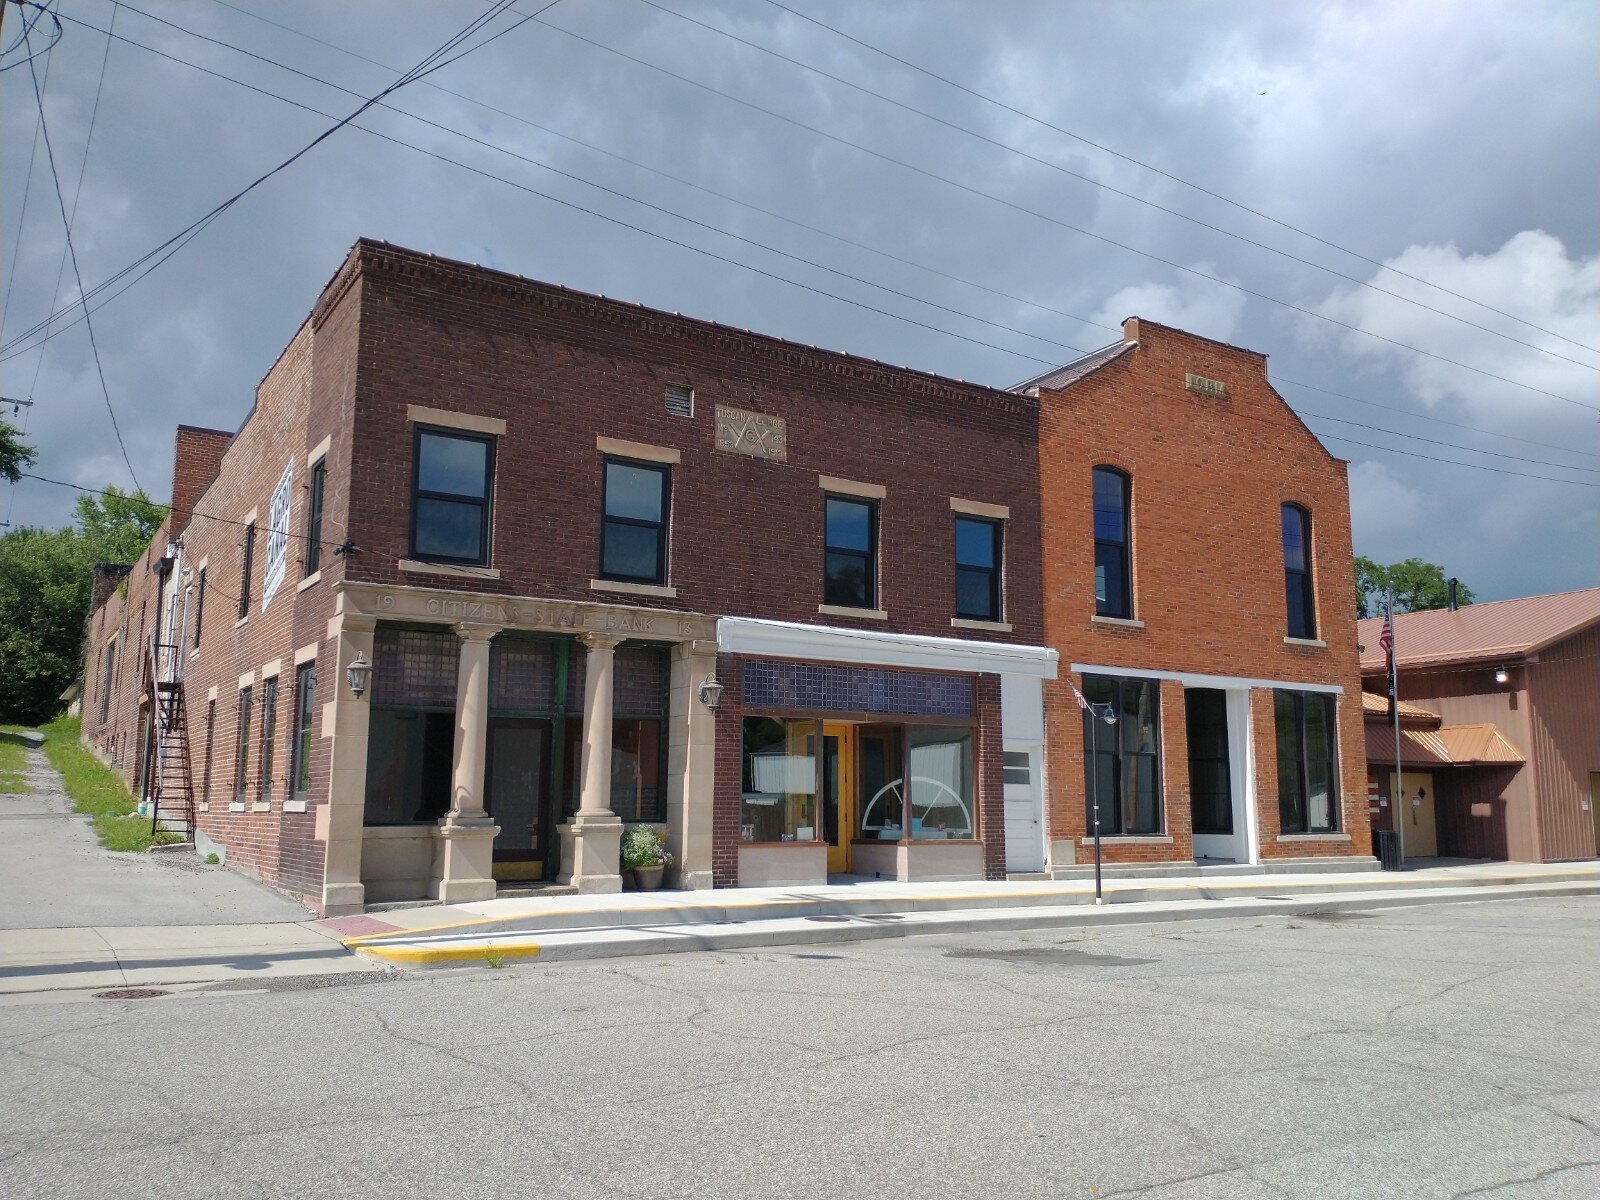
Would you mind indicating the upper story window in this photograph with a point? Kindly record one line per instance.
(1297, 572)
(978, 547)
(451, 487)
(633, 528)
(319, 481)
(1308, 762)
(850, 548)
(248, 568)
(1113, 565)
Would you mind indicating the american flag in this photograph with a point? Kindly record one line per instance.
(1386, 640)
(1083, 701)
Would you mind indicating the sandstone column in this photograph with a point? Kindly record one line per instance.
(591, 844)
(464, 862)
(340, 822)
(691, 763)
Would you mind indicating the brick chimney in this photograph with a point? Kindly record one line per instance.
(195, 462)
(106, 578)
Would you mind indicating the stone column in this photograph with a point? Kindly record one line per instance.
(691, 764)
(463, 865)
(591, 844)
(341, 821)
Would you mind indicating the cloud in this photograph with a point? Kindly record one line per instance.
(1194, 304)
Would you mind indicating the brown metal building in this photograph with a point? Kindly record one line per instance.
(1500, 729)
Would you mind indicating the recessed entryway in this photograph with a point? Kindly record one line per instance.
(1217, 723)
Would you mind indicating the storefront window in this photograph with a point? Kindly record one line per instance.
(882, 763)
(778, 789)
(636, 793)
(941, 782)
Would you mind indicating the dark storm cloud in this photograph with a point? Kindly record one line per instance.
(1457, 141)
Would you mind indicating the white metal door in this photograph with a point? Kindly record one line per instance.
(1024, 812)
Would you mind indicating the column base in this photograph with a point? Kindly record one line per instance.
(343, 900)
(463, 864)
(591, 853)
(694, 881)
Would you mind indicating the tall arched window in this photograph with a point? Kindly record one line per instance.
(1297, 572)
(1113, 564)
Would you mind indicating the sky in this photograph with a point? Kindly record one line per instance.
(1398, 203)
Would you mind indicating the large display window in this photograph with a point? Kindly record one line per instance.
(778, 785)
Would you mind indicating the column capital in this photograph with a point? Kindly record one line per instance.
(601, 641)
(353, 622)
(476, 633)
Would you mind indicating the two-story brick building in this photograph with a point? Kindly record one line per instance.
(1198, 577)
(494, 569)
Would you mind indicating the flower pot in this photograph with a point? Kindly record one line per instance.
(648, 879)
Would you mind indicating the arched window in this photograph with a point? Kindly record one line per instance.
(1113, 563)
(1297, 572)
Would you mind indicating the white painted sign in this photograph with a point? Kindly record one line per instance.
(277, 537)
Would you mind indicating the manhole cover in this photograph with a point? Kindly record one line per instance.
(131, 994)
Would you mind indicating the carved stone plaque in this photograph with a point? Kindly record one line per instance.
(753, 433)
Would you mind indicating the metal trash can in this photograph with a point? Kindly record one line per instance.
(1388, 848)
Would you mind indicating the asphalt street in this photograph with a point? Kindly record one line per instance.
(1444, 1051)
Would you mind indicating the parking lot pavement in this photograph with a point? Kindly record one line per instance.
(1419, 1052)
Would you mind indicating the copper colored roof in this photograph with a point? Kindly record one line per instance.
(1422, 747)
(1501, 630)
(1376, 707)
(1468, 744)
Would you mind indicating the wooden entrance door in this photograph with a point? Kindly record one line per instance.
(516, 788)
(838, 794)
(1417, 811)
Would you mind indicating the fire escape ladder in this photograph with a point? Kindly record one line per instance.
(171, 778)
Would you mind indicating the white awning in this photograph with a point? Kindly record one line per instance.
(826, 643)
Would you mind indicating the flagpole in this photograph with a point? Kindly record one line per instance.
(1398, 811)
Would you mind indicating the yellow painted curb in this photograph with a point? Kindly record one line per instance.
(423, 955)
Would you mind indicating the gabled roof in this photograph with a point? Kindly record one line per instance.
(1060, 377)
(1501, 630)
(1483, 743)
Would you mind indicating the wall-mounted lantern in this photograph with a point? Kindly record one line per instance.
(1501, 675)
(357, 673)
(711, 691)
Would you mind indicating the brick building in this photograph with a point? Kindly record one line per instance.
(1198, 576)
(597, 565)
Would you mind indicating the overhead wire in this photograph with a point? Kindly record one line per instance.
(27, 192)
(72, 252)
(1057, 221)
(1178, 179)
(652, 233)
(153, 259)
(1102, 185)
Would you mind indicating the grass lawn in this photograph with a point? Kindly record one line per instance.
(96, 791)
(12, 761)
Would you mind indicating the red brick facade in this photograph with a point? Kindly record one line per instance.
(1209, 476)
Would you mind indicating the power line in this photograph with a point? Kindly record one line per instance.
(1335, 437)
(1116, 191)
(72, 252)
(27, 191)
(156, 257)
(1452, 445)
(1078, 137)
(979, 192)
(526, 188)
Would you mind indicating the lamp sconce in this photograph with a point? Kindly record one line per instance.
(710, 692)
(357, 673)
(1501, 675)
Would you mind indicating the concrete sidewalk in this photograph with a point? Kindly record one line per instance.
(559, 927)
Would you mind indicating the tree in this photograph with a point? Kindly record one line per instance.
(14, 452)
(1418, 586)
(116, 526)
(46, 577)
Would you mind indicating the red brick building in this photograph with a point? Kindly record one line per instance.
(495, 570)
(1197, 576)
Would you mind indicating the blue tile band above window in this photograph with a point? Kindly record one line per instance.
(821, 688)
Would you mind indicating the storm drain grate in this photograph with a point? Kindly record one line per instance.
(131, 994)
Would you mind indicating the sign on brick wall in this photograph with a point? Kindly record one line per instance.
(277, 537)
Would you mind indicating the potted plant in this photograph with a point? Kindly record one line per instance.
(645, 857)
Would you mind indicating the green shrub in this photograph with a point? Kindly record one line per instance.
(98, 792)
(642, 846)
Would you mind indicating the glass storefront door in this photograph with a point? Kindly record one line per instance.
(838, 794)
(516, 791)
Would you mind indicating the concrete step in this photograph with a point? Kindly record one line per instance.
(479, 947)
